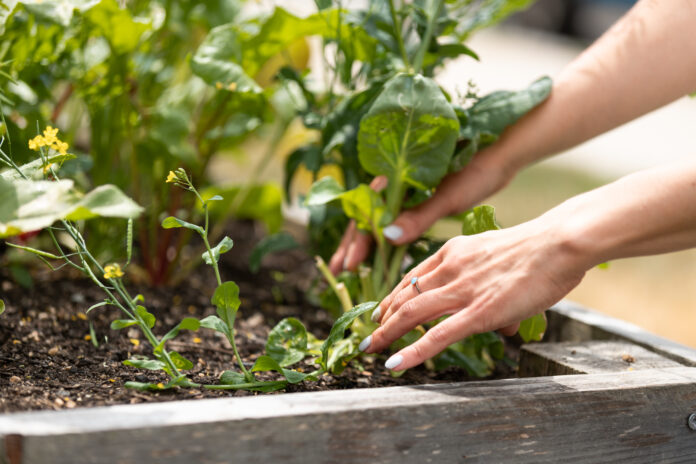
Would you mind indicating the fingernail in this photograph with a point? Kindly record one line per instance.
(394, 361)
(365, 344)
(376, 314)
(393, 232)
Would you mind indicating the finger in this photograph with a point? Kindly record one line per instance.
(510, 330)
(427, 283)
(357, 251)
(422, 308)
(433, 342)
(339, 256)
(379, 183)
(420, 270)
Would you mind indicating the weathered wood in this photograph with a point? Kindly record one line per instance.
(636, 417)
(590, 357)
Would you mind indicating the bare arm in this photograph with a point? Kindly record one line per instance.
(496, 279)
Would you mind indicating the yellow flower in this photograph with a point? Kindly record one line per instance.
(218, 85)
(160, 386)
(171, 178)
(135, 341)
(232, 87)
(49, 139)
(113, 271)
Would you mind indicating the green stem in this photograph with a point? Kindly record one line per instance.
(425, 43)
(397, 33)
(242, 386)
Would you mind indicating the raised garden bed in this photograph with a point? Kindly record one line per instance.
(630, 414)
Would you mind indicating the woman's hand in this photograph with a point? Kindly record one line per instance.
(484, 282)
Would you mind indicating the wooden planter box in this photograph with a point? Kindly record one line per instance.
(634, 404)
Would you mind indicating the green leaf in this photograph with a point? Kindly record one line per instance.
(339, 328)
(266, 363)
(215, 323)
(145, 363)
(119, 324)
(27, 205)
(224, 246)
(485, 14)
(172, 222)
(2, 306)
(129, 241)
(43, 254)
(147, 317)
(323, 191)
(367, 208)
(410, 132)
(479, 219)
(180, 362)
(217, 60)
(117, 26)
(188, 323)
(98, 305)
(271, 244)
(482, 124)
(226, 299)
(533, 329)
(287, 342)
(232, 378)
(36, 168)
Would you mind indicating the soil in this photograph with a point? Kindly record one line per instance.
(48, 360)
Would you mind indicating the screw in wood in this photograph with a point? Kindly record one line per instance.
(692, 421)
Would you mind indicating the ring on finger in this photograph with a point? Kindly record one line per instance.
(414, 282)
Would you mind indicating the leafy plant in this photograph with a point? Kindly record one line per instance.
(395, 121)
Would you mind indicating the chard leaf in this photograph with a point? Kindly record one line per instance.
(339, 328)
(224, 246)
(479, 219)
(482, 124)
(226, 299)
(410, 132)
(271, 244)
(367, 208)
(287, 342)
(27, 205)
(533, 329)
(325, 190)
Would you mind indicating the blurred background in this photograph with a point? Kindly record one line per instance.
(656, 293)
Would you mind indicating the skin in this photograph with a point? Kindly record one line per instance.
(494, 280)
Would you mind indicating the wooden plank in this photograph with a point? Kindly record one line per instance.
(569, 321)
(636, 417)
(591, 357)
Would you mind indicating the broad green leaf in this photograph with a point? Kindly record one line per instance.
(224, 246)
(116, 25)
(483, 14)
(172, 222)
(367, 208)
(145, 363)
(35, 168)
(471, 362)
(2, 306)
(147, 317)
(188, 323)
(27, 205)
(119, 324)
(215, 323)
(217, 61)
(232, 378)
(533, 329)
(281, 241)
(410, 132)
(323, 191)
(266, 363)
(179, 361)
(262, 202)
(57, 11)
(476, 354)
(226, 299)
(287, 342)
(339, 328)
(482, 124)
(479, 219)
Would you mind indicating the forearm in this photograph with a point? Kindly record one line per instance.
(646, 213)
(642, 63)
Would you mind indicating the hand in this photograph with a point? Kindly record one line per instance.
(483, 282)
(456, 193)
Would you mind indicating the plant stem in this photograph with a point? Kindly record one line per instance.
(397, 34)
(242, 386)
(425, 43)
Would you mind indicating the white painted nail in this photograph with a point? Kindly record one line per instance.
(393, 232)
(365, 344)
(394, 361)
(376, 314)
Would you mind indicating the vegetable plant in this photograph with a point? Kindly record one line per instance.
(394, 120)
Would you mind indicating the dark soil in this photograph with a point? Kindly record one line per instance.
(48, 361)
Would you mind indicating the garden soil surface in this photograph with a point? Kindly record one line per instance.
(49, 361)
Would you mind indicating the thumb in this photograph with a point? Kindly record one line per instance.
(412, 223)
